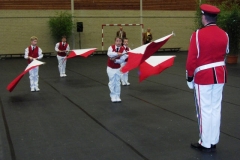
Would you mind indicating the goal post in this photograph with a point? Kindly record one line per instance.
(104, 25)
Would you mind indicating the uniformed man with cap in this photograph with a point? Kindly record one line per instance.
(206, 74)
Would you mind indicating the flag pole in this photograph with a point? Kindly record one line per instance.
(72, 10)
(141, 21)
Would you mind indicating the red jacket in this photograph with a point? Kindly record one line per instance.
(110, 62)
(207, 45)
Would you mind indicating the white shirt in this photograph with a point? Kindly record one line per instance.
(110, 52)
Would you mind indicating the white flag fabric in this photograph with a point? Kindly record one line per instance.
(154, 65)
(140, 54)
(81, 52)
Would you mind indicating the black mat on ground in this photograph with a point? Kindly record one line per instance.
(72, 118)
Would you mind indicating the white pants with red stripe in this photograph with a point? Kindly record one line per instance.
(208, 100)
(114, 82)
(62, 64)
(33, 76)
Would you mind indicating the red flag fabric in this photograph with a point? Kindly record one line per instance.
(32, 65)
(140, 54)
(154, 65)
(81, 52)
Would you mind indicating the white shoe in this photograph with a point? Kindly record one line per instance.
(32, 89)
(64, 75)
(123, 83)
(113, 100)
(61, 75)
(37, 89)
(128, 84)
(118, 99)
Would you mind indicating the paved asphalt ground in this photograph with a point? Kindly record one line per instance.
(73, 118)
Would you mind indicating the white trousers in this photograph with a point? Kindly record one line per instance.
(208, 100)
(124, 76)
(62, 64)
(33, 76)
(114, 82)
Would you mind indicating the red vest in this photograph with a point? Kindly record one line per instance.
(31, 53)
(62, 48)
(212, 43)
(110, 62)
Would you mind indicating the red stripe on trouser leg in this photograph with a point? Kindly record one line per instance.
(209, 100)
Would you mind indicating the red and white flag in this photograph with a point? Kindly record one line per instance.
(32, 65)
(81, 52)
(154, 65)
(140, 54)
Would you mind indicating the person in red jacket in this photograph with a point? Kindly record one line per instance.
(62, 49)
(33, 52)
(206, 74)
(124, 76)
(115, 53)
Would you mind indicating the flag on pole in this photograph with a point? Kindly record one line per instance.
(81, 52)
(32, 65)
(154, 65)
(140, 54)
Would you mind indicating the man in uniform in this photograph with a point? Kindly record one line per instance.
(206, 74)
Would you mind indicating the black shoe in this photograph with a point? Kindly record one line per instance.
(200, 147)
(213, 147)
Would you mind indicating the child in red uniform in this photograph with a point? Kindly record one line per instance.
(113, 69)
(124, 76)
(62, 49)
(33, 52)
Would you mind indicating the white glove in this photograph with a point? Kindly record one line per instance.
(190, 84)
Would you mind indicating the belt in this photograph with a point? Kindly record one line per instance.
(207, 66)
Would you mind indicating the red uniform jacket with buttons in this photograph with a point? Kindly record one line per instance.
(207, 45)
(110, 62)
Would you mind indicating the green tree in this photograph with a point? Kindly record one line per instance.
(229, 20)
(198, 15)
(60, 25)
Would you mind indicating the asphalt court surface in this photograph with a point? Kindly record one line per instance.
(72, 118)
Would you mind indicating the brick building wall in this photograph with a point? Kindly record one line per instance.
(17, 26)
(20, 19)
